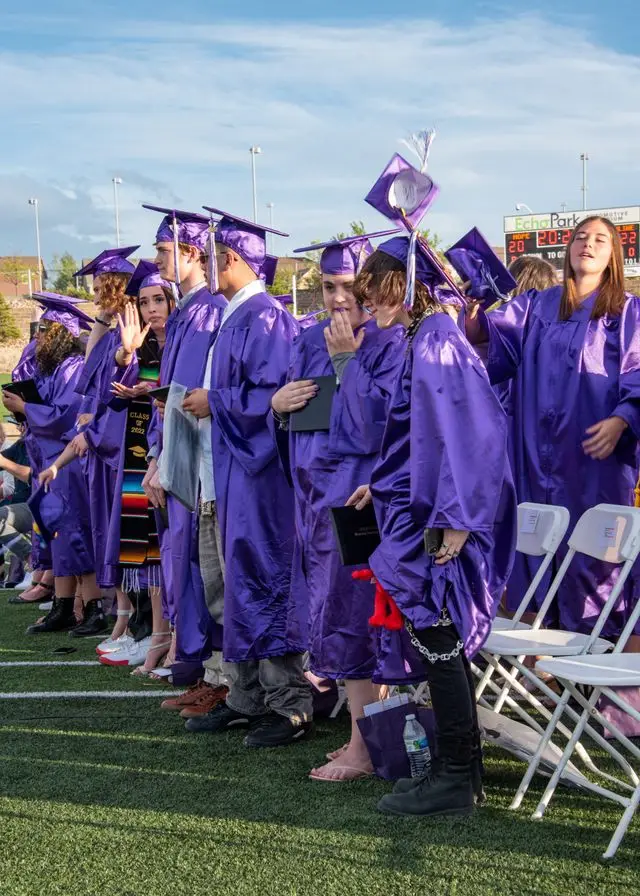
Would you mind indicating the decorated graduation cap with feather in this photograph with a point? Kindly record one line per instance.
(404, 194)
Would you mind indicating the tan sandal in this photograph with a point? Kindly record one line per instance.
(140, 671)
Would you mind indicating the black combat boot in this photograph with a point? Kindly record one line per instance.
(60, 618)
(93, 623)
(447, 791)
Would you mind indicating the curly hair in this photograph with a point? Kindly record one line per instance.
(55, 345)
(112, 296)
(384, 279)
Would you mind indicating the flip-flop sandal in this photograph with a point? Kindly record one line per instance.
(355, 774)
(160, 676)
(336, 753)
(18, 598)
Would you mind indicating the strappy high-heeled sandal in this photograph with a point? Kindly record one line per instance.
(140, 671)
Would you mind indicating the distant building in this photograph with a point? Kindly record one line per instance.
(14, 275)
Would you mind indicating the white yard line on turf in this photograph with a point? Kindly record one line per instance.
(14, 663)
(81, 695)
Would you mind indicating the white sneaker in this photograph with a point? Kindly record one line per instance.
(47, 605)
(133, 654)
(27, 582)
(112, 644)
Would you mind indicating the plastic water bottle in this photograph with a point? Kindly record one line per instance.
(417, 746)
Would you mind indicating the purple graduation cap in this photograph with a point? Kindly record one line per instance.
(345, 257)
(423, 266)
(402, 193)
(286, 299)
(146, 274)
(179, 226)
(189, 228)
(246, 238)
(474, 260)
(48, 510)
(63, 310)
(111, 261)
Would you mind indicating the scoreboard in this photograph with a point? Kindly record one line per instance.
(546, 235)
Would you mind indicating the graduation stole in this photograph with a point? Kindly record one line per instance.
(139, 544)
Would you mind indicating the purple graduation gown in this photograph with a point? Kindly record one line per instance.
(189, 332)
(26, 369)
(444, 465)
(566, 376)
(104, 437)
(326, 468)
(71, 549)
(254, 500)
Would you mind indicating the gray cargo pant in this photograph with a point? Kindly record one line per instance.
(275, 684)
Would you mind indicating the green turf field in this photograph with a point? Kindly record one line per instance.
(114, 798)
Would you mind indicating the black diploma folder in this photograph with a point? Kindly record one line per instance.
(356, 532)
(160, 393)
(316, 415)
(26, 390)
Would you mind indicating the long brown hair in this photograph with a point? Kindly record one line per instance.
(611, 295)
(532, 272)
(387, 276)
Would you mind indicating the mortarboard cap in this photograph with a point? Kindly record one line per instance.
(344, 257)
(191, 228)
(474, 260)
(285, 300)
(63, 310)
(111, 261)
(145, 274)
(48, 509)
(428, 269)
(246, 238)
(402, 193)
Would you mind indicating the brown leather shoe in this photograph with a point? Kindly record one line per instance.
(208, 701)
(190, 696)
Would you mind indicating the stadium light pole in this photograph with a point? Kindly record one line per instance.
(255, 151)
(34, 202)
(116, 181)
(584, 158)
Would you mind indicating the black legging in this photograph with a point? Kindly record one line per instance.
(453, 697)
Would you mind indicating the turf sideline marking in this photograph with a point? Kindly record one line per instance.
(81, 695)
(14, 663)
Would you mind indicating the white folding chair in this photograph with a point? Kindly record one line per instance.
(541, 528)
(603, 674)
(606, 532)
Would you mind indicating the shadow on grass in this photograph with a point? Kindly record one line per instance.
(128, 757)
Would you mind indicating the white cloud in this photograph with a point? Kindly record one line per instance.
(514, 102)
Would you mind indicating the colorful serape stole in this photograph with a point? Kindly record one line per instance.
(139, 544)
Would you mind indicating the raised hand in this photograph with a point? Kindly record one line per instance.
(131, 334)
(339, 335)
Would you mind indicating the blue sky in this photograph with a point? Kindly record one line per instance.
(169, 97)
